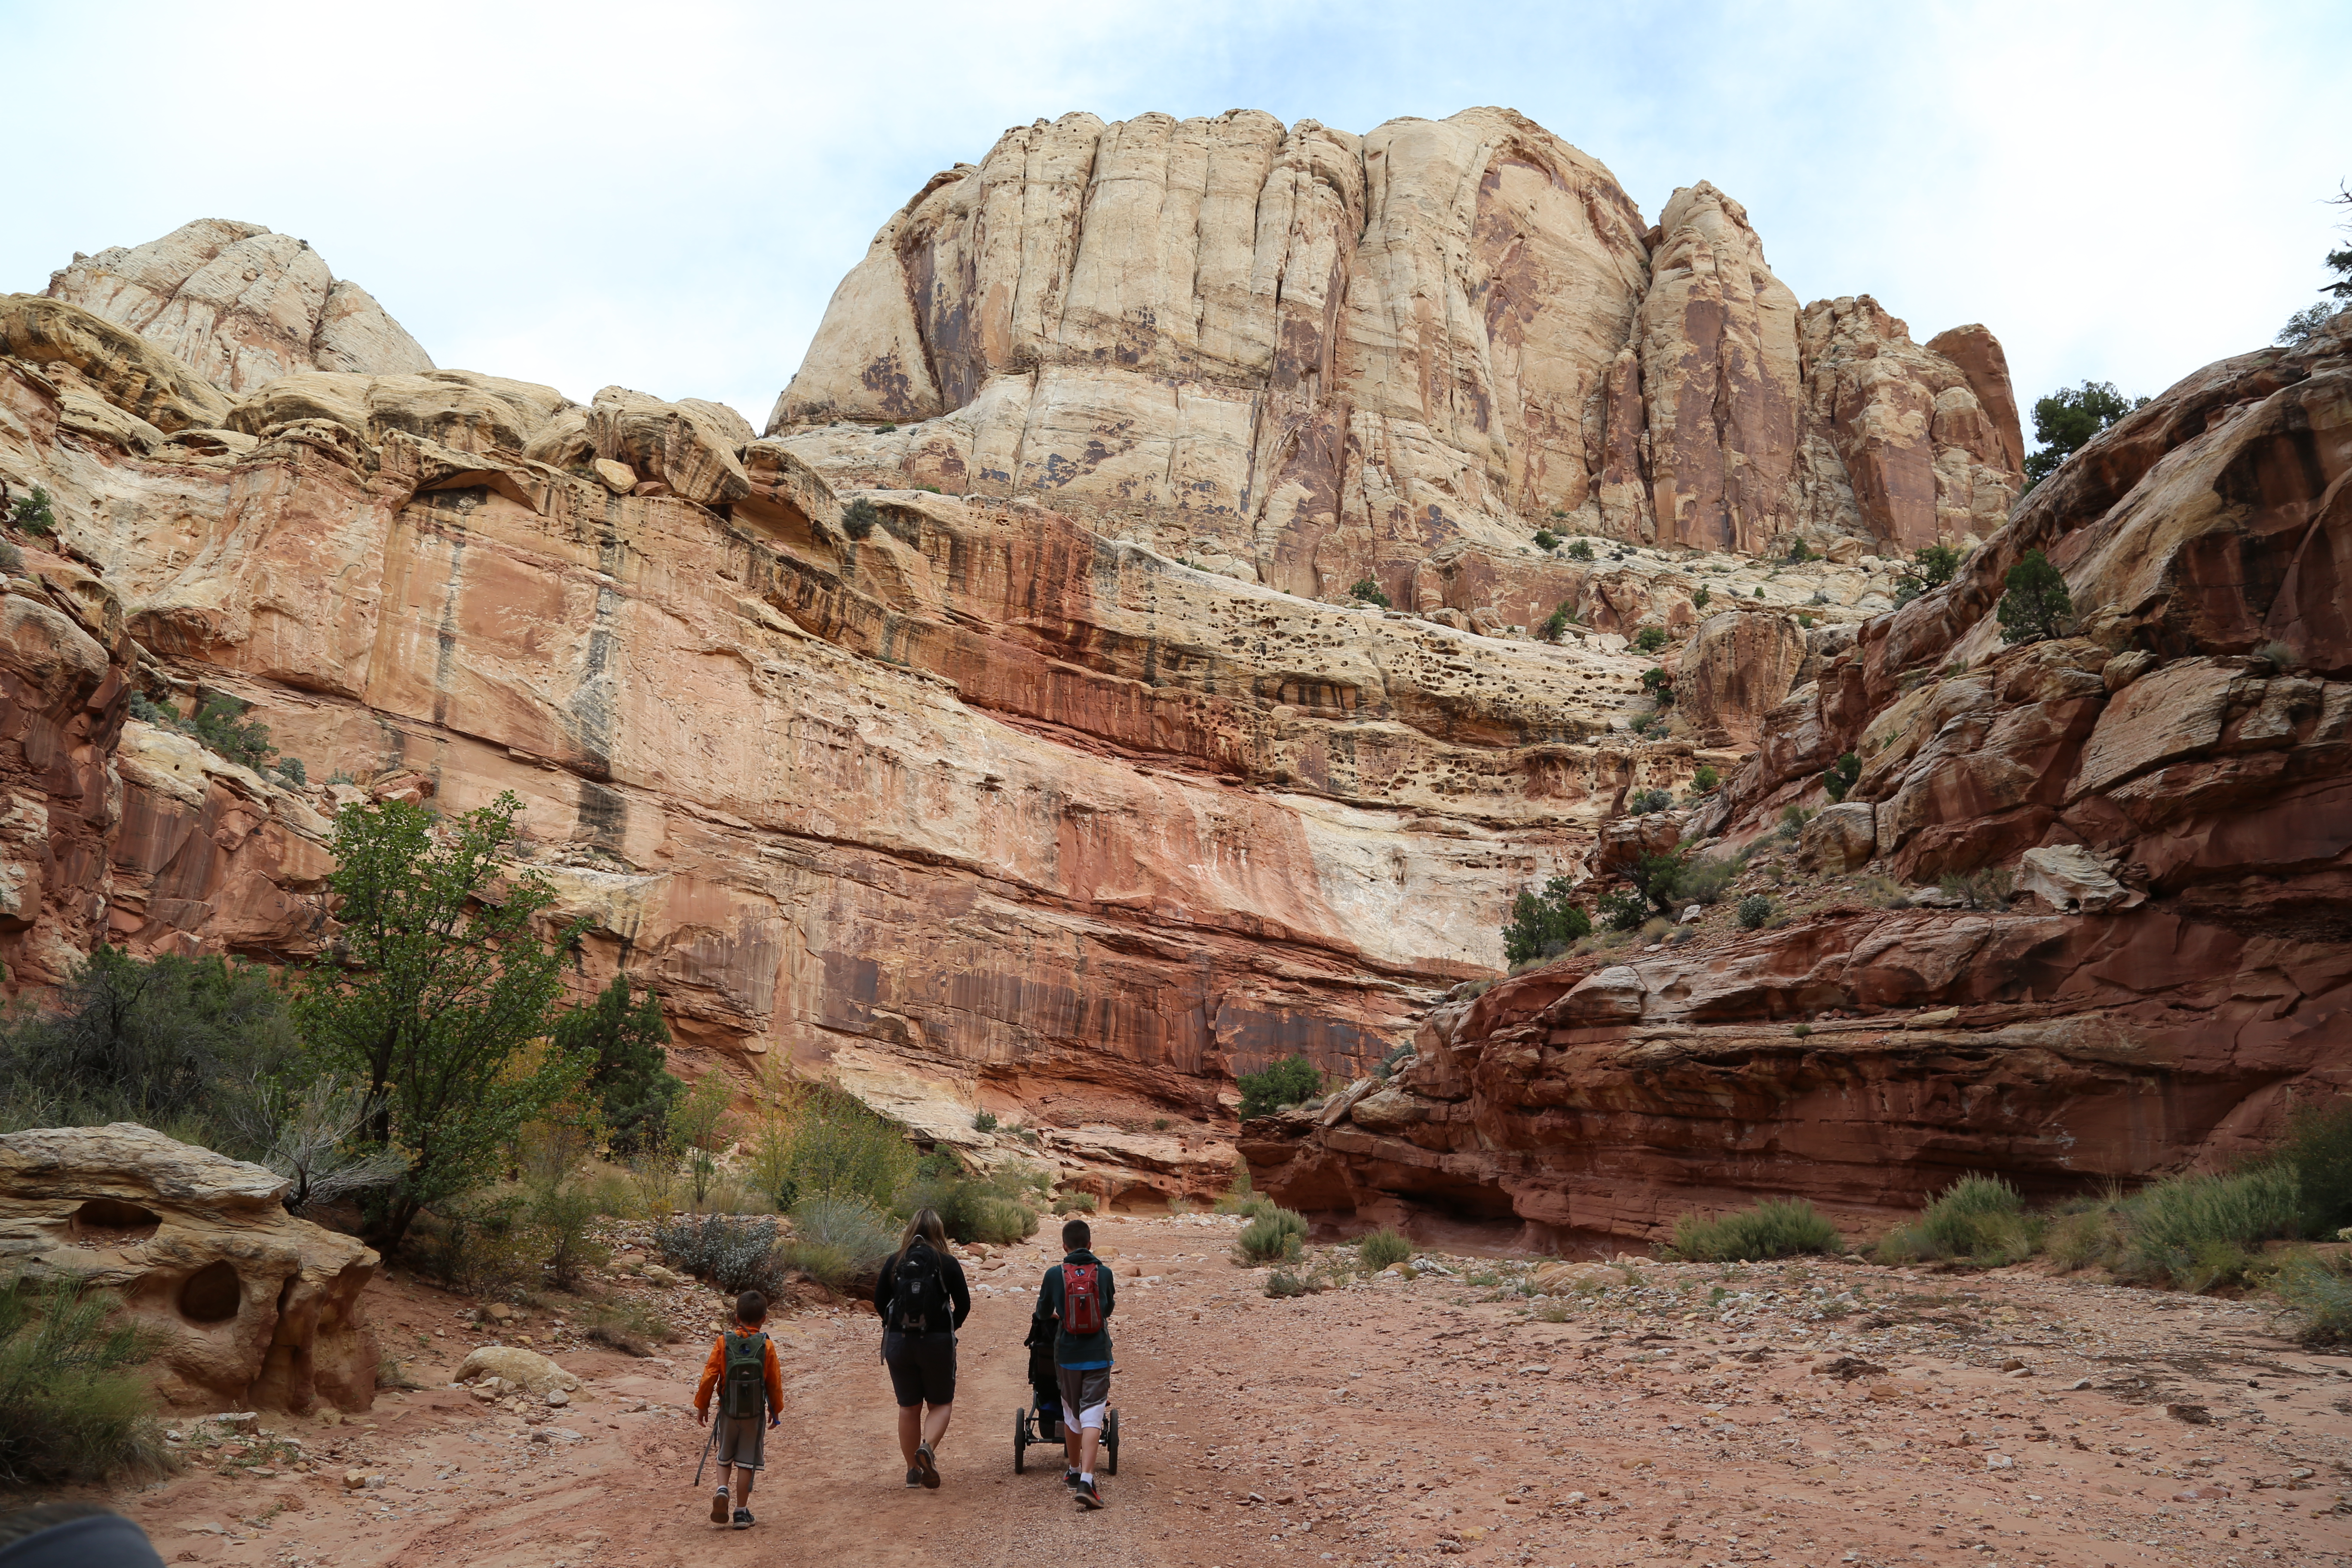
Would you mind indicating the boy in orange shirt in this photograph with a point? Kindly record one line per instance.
(744, 1362)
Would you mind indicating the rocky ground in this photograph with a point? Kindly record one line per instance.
(1494, 1410)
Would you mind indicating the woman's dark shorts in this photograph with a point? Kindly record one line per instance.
(922, 1368)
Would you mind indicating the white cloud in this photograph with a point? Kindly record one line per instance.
(664, 197)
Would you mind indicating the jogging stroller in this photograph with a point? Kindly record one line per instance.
(1043, 1422)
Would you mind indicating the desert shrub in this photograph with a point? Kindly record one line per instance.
(1801, 1030)
(620, 1041)
(1884, 892)
(1659, 685)
(1237, 1198)
(731, 1253)
(699, 1126)
(1840, 776)
(1075, 1203)
(1706, 778)
(840, 1148)
(1703, 880)
(1273, 1236)
(1285, 1082)
(73, 1407)
(221, 724)
(838, 1241)
(997, 1207)
(1792, 822)
(1579, 549)
(1978, 1220)
(1650, 639)
(983, 1121)
(1754, 911)
(34, 513)
(291, 770)
(561, 1213)
(858, 518)
(1935, 564)
(2084, 1232)
(1799, 552)
(482, 1243)
(1622, 912)
(1384, 1249)
(1546, 540)
(1777, 1227)
(653, 1179)
(2198, 1232)
(2318, 1149)
(1545, 924)
(1984, 889)
(1642, 802)
(2276, 655)
(2036, 605)
(1364, 591)
(627, 1327)
(1699, 599)
(2320, 1296)
(1283, 1283)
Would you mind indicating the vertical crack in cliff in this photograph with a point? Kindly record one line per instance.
(444, 637)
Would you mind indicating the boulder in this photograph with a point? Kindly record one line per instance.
(250, 1305)
(527, 1370)
(1625, 839)
(2071, 878)
(691, 446)
(128, 372)
(1840, 838)
(1734, 669)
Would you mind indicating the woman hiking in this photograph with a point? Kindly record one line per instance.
(923, 1299)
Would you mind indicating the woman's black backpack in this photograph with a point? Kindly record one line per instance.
(918, 1292)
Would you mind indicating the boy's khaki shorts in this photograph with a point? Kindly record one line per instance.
(742, 1444)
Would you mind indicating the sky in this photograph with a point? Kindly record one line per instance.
(664, 196)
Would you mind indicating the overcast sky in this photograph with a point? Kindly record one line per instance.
(664, 196)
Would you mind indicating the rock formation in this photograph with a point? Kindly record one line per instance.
(1332, 357)
(1071, 780)
(2170, 791)
(240, 305)
(249, 1305)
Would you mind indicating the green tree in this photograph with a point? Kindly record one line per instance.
(628, 1071)
(1934, 565)
(222, 725)
(433, 995)
(1285, 1082)
(1546, 540)
(1660, 686)
(1580, 550)
(1650, 639)
(1364, 591)
(2340, 262)
(1705, 779)
(858, 518)
(2036, 605)
(1542, 925)
(2069, 417)
(1658, 877)
(1840, 776)
(699, 1124)
(1699, 599)
(33, 513)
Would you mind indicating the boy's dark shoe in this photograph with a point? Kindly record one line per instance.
(914, 1475)
(928, 1463)
(1089, 1494)
(719, 1506)
(1070, 1479)
(743, 1519)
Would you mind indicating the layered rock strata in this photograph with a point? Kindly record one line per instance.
(248, 1304)
(2168, 792)
(1330, 358)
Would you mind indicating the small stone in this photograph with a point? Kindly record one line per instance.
(355, 1479)
(618, 478)
(558, 1398)
(2193, 1414)
(2000, 1462)
(498, 1311)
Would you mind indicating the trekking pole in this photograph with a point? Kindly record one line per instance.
(707, 1444)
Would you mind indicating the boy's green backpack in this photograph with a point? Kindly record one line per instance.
(743, 1390)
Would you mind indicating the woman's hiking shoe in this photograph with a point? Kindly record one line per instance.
(928, 1463)
(743, 1519)
(914, 1475)
(1089, 1494)
(719, 1506)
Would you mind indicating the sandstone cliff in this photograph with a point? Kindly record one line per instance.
(1330, 357)
(2170, 791)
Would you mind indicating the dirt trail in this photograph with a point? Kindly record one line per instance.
(1678, 1415)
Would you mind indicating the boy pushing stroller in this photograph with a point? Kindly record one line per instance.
(1073, 1313)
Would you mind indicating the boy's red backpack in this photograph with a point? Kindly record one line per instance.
(1082, 1313)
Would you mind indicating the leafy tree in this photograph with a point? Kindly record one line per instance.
(1546, 540)
(1621, 911)
(699, 1124)
(1699, 599)
(1555, 625)
(1706, 778)
(1754, 911)
(1543, 924)
(222, 725)
(1799, 552)
(1660, 686)
(1285, 1082)
(2305, 325)
(1658, 877)
(628, 1072)
(2069, 417)
(1840, 776)
(858, 518)
(1935, 564)
(1650, 639)
(34, 514)
(1580, 550)
(432, 995)
(1642, 802)
(2036, 605)
(1364, 591)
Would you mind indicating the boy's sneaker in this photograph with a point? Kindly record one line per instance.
(1070, 1479)
(928, 1463)
(718, 1500)
(914, 1475)
(743, 1519)
(1089, 1494)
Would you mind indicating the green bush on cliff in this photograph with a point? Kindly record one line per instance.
(1364, 591)
(1545, 924)
(34, 514)
(1285, 1082)
(2067, 418)
(1777, 1227)
(2036, 605)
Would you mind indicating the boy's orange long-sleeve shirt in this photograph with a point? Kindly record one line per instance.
(716, 1368)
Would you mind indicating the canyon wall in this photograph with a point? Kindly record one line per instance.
(2133, 948)
(1324, 358)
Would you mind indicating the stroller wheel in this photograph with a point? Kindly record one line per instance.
(1020, 1442)
(1110, 1441)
